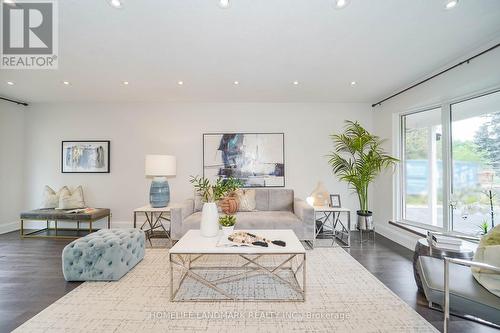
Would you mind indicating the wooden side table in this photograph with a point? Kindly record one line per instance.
(155, 218)
(332, 214)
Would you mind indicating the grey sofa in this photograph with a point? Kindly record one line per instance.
(275, 209)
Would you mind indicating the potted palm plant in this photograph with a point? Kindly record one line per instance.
(358, 158)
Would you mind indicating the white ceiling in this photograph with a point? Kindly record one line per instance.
(264, 44)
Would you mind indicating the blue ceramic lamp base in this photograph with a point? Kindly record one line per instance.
(159, 193)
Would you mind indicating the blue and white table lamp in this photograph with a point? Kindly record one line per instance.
(160, 167)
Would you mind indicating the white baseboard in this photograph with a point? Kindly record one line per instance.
(400, 236)
(122, 224)
(9, 227)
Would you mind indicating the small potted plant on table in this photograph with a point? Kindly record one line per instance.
(227, 223)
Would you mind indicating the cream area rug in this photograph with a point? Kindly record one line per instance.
(341, 296)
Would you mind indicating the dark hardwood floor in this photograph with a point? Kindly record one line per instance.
(31, 278)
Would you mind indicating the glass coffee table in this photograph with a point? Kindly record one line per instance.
(214, 269)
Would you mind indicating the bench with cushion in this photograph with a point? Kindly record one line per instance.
(105, 255)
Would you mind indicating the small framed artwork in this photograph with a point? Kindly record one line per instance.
(335, 201)
(85, 156)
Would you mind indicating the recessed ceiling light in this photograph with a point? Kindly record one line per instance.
(66, 83)
(180, 83)
(125, 83)
(295, 83)
(10, 83)
(224, 4)
(339, 4)
(9, 2)
(116, 3)
(353, 83)
(451, 4)
(236, 82)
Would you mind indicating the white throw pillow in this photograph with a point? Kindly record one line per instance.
(50, 197)
(246, 199)
(71, 200)
(488, 252)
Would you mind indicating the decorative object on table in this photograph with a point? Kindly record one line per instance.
(50, 219)
(227, 223)
(50, 198)
(319, 196)
(71, 199)
(243, 237)
(488, 252)
(160, 167)
(210, 194)
(335, 201)
(257, 159)
(230, 203)
(91, 156)
(358, 158)
(106, 255)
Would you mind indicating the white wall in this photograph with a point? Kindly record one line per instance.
(11, 164)
(136, 129)
(481, 74)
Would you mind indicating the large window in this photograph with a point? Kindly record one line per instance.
(449, 173)
(423, 167)
(475, 134)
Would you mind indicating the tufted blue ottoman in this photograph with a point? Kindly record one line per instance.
(105, 255)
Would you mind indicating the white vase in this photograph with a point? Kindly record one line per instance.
(209, 220)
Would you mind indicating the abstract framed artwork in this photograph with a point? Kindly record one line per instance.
(85, 156)
(257, 159)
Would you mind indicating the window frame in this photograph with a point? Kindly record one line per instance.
(447, 158)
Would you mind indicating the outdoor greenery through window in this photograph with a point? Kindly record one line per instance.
(470, 175)
(423, 167)
(475, 136)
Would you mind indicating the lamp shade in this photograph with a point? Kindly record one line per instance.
(161, 165)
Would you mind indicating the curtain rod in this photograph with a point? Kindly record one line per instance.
(13, 101)
(466, 61)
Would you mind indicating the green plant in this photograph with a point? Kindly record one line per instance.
(358, 158)
(484, 227)
(227, 220)
(213, 192)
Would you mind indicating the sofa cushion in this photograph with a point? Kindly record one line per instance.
(246, 199)
(280, 199)
(262, 199)
(466, 295)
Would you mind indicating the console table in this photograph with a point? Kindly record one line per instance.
(52, 230)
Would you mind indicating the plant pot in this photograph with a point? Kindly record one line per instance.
(365, 220)
(209, 226)
(228, 230)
